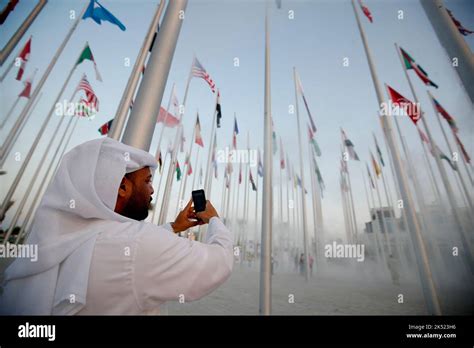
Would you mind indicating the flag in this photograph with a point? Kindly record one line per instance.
(99, 14)
(447, 159)
(282, 156)
(85, 109)
(87, 54)
(379, 152)
(105, 128)
(199, 71)
(236, 131)
(218, 109)
(190, 168)
(240, 173)
(160, 161)
(377, 169)
(312, 140)
(252, 182)
(92, 101)
(178, 171)
(446, 116)
(370, 176)
(274, 146)
(260, 165)
(24, 56)
(412, 110)
(167, 118)
(299, 88)
(175, 101)
(459, 26)
(411, 64)
(7, 9)
(197, 130)
(350, 147)
(366, 11)
(319, 176)
(298, 181)
(27, 83)
(463, 149)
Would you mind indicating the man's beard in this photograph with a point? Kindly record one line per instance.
(136, 208)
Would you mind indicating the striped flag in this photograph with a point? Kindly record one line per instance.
(252, 182)
(411, 64)
(463, 149)
(167, 118)
(413, 111)
(366, 11)
(312, 140)
(105, 128)
(198, 137)
(299, 88)
(459, 26)
(350, 146)
(28, 83)
(446, 116)
(92, 100)
(236, 131)
(376, 166)
(199, 71)
(24, 56)
(87, 55)
(218, 109)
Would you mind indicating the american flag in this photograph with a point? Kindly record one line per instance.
(199, 71)
(92, 100)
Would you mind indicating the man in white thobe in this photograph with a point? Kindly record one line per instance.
(96, 255)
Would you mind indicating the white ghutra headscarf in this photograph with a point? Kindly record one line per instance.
(78, 204)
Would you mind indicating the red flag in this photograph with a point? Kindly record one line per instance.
(464, 152)
(198, 138)
(411, 108)
(366, 11)
(24, 56)
(28, 82)
(167, 118)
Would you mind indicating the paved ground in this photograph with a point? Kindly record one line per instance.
(329, 294)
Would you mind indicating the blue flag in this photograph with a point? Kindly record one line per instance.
(98, 14)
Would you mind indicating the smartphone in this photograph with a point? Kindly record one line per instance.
(199, 200)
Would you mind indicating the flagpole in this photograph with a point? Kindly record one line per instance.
(185, 167)
(158, 148)
(33, 180)
(28, 156)
(265, 307)
(315, 214)
(140, 126)
(356, 232)
(449, 191)
(9, 113)
(120, 118)
(463, 184)
(430, 293)
(432, 177)
(158, 189)
(14, 132)
(453, 43)
(169, 180)
(377, 253)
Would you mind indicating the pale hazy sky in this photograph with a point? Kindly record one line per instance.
(316, 40)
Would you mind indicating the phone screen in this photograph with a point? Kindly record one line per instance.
(199, 199)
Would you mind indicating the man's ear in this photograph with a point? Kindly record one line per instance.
(124, 188)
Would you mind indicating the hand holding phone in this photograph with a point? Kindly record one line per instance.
(199, 200)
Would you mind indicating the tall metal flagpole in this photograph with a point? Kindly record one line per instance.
(428, 286)
(314, 193)
(464, 236)
(382, 217)
(246, 190)
(356, 230)
(9, 113)
(120, 118)
(303, 198)
(456, 47)
(265, 306)
(158, 189)
(14, 132)
(141, 123)
(28, 156)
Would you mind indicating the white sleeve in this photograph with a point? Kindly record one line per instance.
(168, 267)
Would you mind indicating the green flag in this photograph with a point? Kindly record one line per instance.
(87, 54)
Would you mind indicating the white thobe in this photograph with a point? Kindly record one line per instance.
(134, 273)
